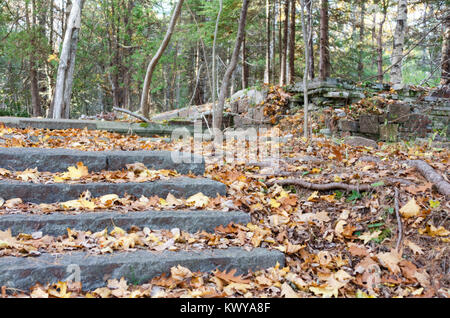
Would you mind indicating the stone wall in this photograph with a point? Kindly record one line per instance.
(377, 111)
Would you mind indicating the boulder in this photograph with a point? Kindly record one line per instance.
(357, 141)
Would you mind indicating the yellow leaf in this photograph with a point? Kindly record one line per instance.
(198, 200)
(410, 209)
(274, 203)
(117, 231)
(75, 173)
(314, 196)
(433, 231)
(315, 170)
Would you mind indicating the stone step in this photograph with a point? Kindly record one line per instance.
(136, 267)
(145, 129)
(60, 192)
(56, 224)
(57, 160)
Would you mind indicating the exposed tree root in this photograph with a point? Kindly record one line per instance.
(432, 176)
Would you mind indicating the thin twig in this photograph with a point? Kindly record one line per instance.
(399, 221)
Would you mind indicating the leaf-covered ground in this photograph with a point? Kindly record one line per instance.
(337, 243)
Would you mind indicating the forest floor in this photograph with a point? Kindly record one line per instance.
(337, 243)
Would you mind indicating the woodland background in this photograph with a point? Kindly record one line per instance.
(119, 37)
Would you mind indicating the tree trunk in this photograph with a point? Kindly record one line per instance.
(218, 110)
(267, 66)
(445, 59)
(285, 43)
(399, 41)
(67, 61)
(308, 6)
(244, 64)
(274, 42)
(380, 73)
(214, 74)
(34, 78)
(145, 106)
(324, 54)
(306, 36)
(291, 64)
(361, 41)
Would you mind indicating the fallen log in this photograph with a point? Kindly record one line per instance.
(441, 185)
(126, 111)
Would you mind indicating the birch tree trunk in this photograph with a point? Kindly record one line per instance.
(64, 79)
(380, 74)
(145, 106)
(308, 5)
(267, 66)
(399, 41)
(218, 109)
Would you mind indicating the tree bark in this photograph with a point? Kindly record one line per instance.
(283, 57)
(34, 78)
(445, 59)
(218, 109)
(306, 36)
(67, 61)
(267, 65)
(399, 42)
(361, 40)
(291, 58)
(324, 53)
(380, 74)
(214, 75)
(308, 6)
(244, 64)
(145, 106)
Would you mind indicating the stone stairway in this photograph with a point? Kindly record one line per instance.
(137, 266)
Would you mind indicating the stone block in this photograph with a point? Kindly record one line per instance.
(399, 112)
(348, 125)
(368, 124)
(389, 132)
(418, 124)
(357, 141)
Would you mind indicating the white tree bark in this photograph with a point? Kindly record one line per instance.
(64, 79)
(399, 41)
(306, 37)
(145, 107)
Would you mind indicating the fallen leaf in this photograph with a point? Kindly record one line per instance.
(410, 209)
(288, 292)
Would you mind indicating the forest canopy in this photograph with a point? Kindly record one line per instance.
(118, 38)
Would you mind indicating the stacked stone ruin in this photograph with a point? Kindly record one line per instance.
(410, 111)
